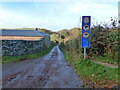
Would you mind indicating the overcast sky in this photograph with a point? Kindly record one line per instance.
(54, 14)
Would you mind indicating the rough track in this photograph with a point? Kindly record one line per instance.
(49, 71)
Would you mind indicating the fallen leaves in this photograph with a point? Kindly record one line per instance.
(94, 82)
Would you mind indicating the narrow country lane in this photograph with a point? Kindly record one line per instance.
(49, 71)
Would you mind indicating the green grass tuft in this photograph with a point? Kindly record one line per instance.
(6, 59)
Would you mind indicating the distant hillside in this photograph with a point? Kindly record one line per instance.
(47, 31)
(62, 35)
(67, 34)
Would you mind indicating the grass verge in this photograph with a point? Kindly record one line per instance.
(107, 60)
(93, 75)
(6, 59)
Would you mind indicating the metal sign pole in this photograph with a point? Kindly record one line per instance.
(84, 52)
(86, 22)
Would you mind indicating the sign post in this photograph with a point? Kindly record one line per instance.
(86, 22)
(84, 52)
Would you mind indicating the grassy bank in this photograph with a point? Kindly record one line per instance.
(6, 59)
(107, 59)
(92, 75)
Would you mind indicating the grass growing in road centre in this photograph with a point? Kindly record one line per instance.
(6, 59)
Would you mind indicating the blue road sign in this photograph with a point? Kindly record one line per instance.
(86, 22)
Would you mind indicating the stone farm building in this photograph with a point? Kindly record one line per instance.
(23, 35)
(19, 42)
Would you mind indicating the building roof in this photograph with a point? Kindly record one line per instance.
(45, 34)
(23, 33)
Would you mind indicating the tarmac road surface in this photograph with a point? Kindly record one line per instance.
(49, 71)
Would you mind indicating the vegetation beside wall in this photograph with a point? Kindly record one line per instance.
(6, 59)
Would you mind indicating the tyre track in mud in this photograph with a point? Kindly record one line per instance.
(49, 71)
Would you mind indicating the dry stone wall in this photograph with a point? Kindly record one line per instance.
(20, 47)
